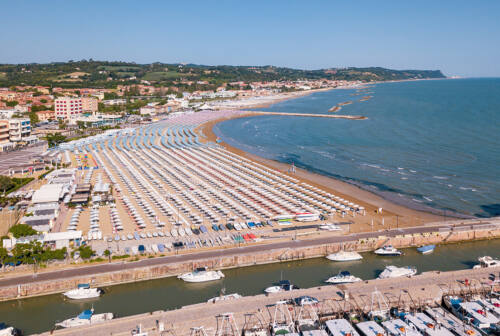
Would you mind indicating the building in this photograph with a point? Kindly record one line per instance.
(20, 130)
(68, 108)
(89, 105)
(46, 115)
(5, 143)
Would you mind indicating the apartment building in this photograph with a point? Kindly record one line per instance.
(19, 129)
(68, 108)
(5, 143)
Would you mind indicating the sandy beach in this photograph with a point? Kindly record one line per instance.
(392, 214)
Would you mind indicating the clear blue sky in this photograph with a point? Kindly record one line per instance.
(458, 37)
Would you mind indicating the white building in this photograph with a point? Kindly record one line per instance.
(68, 108)
(20, 130)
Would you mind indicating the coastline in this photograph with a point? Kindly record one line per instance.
(394, 214)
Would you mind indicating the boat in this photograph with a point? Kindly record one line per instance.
(343, 277)
(487, 261)
(201, 274)
(426, 325)
(283, 286)
(388, 250)
(426, 249)
(7, 331)
(344, 256)
(86, 317)
(340, 327)
(398, 327)
(370, 328)
(83, 291)
(451, 322)
(476, 314)
(392, 271)
(233, 296)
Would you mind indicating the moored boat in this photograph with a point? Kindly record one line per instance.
(83, 291)
(227, 297)
(201, 274)
(487, 261)
(86, 317)
(426, 249)
(344, 256)
(7, 331)
(392, 271)
(343, 277)
(283, 286)
(388, 250)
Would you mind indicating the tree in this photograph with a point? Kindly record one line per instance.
(5, 183)
(22, 230)
(86, 252)
(107, 253)
(3, 255)
(81, 124)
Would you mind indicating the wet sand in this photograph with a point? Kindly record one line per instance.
(392, 215)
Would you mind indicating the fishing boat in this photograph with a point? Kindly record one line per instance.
(472, 312)
(83, 291)
(7, 331)
(283, 286)
(426, 249)
(398, 327)
(388, 250)
(86, 317)
(370, 328)
(487, 261)
(451, 322)
(201, 274)
(344, 256)
(340, 327)
(426, 325)
(392, 271)
(343, 277)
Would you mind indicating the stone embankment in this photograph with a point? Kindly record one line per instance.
(13, 288)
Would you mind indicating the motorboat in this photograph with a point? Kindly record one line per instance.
(344, 256)
(86, 317)
(388, 250)
(83, 291)
(343, 277)
(201, 274)
(233, 296)
(396, 272)
(487, 261)
(7, 331)
(426, 249)
(283, 286)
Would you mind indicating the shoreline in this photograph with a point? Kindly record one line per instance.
(406, 216)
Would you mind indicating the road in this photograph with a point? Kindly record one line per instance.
(121, 266)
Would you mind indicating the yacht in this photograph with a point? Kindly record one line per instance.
(487, 261)
(344, 256)
(388, 250)
(395, 272)
(7, 331)
(86, 317)
(342, 278)
(201, 274)
(283, 286)
(83, 291)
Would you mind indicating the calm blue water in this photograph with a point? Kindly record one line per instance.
(426, 144)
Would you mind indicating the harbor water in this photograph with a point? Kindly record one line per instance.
(429, 145)
(39, 314)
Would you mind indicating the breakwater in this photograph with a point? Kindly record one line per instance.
(126, 272)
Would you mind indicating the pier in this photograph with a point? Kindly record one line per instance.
(334, 116)
(404, 293)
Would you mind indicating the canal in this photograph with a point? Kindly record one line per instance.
(39, 314)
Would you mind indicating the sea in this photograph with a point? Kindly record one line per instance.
(431, 145)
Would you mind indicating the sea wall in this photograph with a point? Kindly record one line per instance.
(241, 260)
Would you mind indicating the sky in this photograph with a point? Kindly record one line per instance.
(458, 37)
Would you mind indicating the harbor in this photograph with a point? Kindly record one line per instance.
(383, 301)
(172, 293)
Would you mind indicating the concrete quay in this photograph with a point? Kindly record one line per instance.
(153, 268)
(405, 293)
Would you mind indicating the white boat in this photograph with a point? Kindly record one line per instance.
(426, 325)
(233, 296)
(201, 274)
(398, 327)
(7, 331)
(343, 277)
(344, 256)
(86, 317)
(451, 322)
(396, 272)
(83, 291)
(370, 328)
(388, 250)
(340, 327)
(283, 286)
(487, 261)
